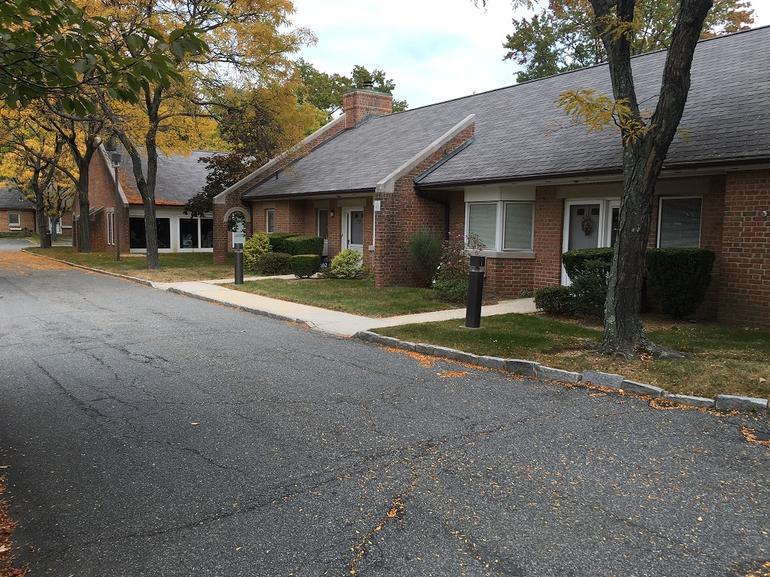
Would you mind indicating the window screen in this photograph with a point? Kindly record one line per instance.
(482, 221)
(680, 220)
(518, 226)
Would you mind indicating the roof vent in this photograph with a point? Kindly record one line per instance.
(367, 85)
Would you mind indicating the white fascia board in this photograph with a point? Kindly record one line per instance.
(265, 168)
(388, 183)
(111, 170)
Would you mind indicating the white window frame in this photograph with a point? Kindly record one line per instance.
(110, 215)
(500, 225)
(685, 197)
(14, 225)
(267, 220)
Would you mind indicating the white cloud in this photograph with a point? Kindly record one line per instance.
(433, 49)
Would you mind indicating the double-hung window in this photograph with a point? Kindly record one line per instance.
(270, 220)
(679, 221)
(501, 225)
(14, 220)
(110, 228)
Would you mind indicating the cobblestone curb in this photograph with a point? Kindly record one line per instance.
(538, 371)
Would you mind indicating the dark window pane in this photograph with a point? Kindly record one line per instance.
(136, 232)
(270, 220)
(164, 232)
(680, 222)
(615, 225)
(357, 227)
(188, 233)
(207, 233)
(323, 223)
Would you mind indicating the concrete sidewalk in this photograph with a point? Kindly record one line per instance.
(325, 320)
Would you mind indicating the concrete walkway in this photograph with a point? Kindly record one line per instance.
(325, 320)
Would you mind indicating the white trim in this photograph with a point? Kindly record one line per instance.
(344, 242)
(660, 214)
(111, 171)
(388, 183)
(271, 164)
(14, 225)
(267, 220)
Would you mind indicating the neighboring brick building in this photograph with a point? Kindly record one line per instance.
(508, 166)
(120, 218)
(17, 214)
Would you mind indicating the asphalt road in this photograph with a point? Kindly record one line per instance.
(148, 434)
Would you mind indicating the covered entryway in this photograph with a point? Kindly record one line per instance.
(589, 223)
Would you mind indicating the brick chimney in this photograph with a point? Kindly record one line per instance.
(364, 102)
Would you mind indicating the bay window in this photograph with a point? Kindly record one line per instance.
(502, 225)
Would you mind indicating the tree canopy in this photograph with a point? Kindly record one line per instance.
(561, 35)
(325, 91)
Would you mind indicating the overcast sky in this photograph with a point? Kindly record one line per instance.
(433, 49)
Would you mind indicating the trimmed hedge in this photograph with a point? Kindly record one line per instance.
(278, 241)
(254, 249)
(678, 278)
(574, 260)
(302, 245)
(305, 265)
(589, 288)
(274, 263)
(555, 300)
(347, 264)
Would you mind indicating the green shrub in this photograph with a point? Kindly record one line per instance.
(305, 265)
(589, 288)
(274, 263)
(278, 241)
(574, 260)
(677, 278)
(425, 250)
(453, 290)
(555, 300)
(254, 249)
(451, 279)
(304, 245)
(347, 264)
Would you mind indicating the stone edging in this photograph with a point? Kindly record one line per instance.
(538, 371)
(135, 279)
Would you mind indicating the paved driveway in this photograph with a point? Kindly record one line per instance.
(151, 434)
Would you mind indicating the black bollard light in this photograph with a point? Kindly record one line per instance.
(239, 263)
(475, 292)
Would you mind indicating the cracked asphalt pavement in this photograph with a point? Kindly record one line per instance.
(149, 434)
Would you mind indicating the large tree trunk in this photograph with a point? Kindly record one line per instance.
(42, 220)
(643, 156)
(151, 232)
(84, 224)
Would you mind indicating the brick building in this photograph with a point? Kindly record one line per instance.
(17, 214)
(508, 166)
(120, 218)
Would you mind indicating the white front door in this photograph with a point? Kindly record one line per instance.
(353, 228)
(589, 224)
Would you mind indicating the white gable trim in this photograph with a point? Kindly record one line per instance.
(267, 167)
(388, 183)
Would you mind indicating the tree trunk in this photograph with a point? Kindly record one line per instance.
(151, 232)
(84, 224)
(42, 219)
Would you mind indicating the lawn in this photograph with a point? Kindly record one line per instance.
(351, 296)
(718, 359)
(174, 266)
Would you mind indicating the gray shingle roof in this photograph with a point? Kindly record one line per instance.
(11, 199)
(179, 178)
(522, 133)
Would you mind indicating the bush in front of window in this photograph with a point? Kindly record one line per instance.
(555, 300)
(305, 265)
(451, 279)
(425, 250)
(347, 264)
(278, 241)
(304, 245)
(254, 249)
(272, 263)
(678, 278)
(575, 260)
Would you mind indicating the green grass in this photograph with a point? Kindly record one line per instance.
(352, 296)
(174, 266)
(719, 359)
